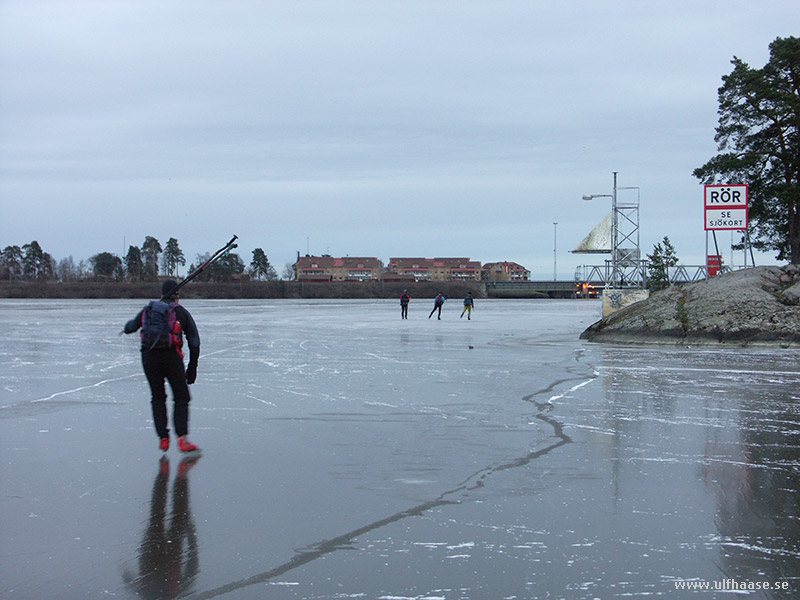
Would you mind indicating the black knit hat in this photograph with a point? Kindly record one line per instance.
(167, 288)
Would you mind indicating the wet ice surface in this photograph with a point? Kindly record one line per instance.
(349, 454)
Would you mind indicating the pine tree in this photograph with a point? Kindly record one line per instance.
(37, 265)
(11, 263)
(133, 263)
(173, 256)
(151, 248)
(658, 264)
(260, 266)
(106, 265)
(758, 140)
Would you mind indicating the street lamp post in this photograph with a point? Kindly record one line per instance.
(555, 260)
(625, 252)
(614, 227)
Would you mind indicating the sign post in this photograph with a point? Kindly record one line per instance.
(726, 207)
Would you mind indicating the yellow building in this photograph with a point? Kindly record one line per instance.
(328, 268)
(505, 271)
(436, 269)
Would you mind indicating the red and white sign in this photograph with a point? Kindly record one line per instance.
(713, 264)
(726, 207)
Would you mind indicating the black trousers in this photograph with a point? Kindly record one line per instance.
(167, 364)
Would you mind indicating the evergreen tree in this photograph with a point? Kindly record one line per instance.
(227, 266)
(36, 263)
(11, 263)
(260, 266)
(173, 257)
(151, 248)
(134, 266)
(658, 264)
(758, 138)
(222, 270)
(49, 266)
(106, 265)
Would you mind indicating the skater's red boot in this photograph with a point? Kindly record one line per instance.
(185, 445)
(164, 446)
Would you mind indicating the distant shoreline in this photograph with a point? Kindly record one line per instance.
(241, 290)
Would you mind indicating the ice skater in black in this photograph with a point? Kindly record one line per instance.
(163, 326)
(404, 300)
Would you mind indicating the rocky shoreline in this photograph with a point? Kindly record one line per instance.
(749, 307)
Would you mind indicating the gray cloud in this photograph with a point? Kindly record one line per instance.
(377, 128)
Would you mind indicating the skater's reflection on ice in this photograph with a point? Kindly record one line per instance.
(168, 553)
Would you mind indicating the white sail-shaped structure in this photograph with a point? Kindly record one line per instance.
(599, 239)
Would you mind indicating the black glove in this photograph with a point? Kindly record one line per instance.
(191, 373)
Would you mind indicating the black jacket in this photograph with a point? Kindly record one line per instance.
(188, 328)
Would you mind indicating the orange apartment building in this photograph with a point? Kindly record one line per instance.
(505, 271)
(328, 268)
(434, 269)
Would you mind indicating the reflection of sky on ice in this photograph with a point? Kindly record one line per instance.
(348, 453)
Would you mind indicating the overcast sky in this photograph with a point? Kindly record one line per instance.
(364, 128)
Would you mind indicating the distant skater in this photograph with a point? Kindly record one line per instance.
(437, 304)
(163, 326)
(469, 303)
(404, 300)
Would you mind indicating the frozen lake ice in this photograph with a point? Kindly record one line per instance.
(350, 454)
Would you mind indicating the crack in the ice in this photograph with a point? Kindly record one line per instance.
(473, 482)
(34, 406)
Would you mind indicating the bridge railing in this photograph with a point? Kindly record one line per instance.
(635, 274)
(590, 279)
